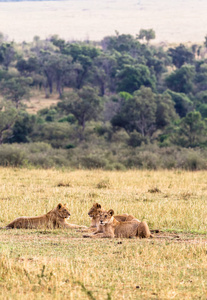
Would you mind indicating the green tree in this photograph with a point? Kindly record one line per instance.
(83, 56)
(203, 110)
(183, 104)
(85, 105)
(27, 66)
(22, 128)
(8, 54)
(103, 73)
(165, 113)
(8, 116)
(147, 34)
(181, 55)
(16, 89)
(192, 131)
(181, 80)
(138, 113)
(120, 43)
(131, 78)
(201, 77)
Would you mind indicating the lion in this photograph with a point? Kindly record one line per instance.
(53, 219)
(113, 228)
(94, 213)
(96, 209)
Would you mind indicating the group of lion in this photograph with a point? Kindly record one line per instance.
(104, 224)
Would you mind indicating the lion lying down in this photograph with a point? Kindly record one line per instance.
(53, 219)
(113, 228)
(94, 213)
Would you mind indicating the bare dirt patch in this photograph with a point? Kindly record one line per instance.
(64, 237)
(38, 102)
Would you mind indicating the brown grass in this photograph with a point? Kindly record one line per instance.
(38, 101)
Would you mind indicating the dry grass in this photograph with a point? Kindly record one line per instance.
(38, 101)
(58, 264)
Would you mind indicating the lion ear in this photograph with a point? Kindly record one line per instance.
(98, 205)
(59, 206)
(111, 212)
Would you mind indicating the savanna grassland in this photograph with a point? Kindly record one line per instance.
(58, 264)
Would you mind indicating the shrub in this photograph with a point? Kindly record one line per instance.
(136, 139)
(92, 162)
(115, 166)
(193, 161)
(12, 155)
(39, 147)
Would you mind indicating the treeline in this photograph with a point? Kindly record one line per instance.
(123, 103)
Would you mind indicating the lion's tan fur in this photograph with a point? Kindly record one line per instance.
(53, 219)
(127, 229)
(94, 213)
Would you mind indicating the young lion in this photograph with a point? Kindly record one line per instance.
(113, 228)
(53, 219)
(94, 215)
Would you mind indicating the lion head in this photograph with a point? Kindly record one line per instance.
(62, 211)
(95, 210)
(105, 217)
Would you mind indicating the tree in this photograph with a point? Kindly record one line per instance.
(138, 113)
(22, 128)
(120, 43)
(8, 116)
(57, 69)
(103, 73)
(181, 80)
(7, 54)
(181, 55)
(203, 110)
(183, 104)
(27, 66)
(157, 60)
(147, 34)
(131, 78)
(85, 105)
(83, 57)
(201, 77)
(192, 130)
(165, 113)
(16, 89)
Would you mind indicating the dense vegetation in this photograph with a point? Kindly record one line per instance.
(123, 103)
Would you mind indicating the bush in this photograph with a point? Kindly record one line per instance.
(115, 166)
(56, 134)
(39, 147)
(12, 155)
(93, 162)
(136, 139)
(191, 160)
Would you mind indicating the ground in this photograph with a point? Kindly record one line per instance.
(60, 263)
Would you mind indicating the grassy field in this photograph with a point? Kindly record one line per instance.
(58, 264)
